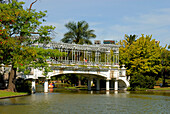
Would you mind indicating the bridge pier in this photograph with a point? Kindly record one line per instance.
(91, 82)
(116, 85)
(107, 85)
(46, 86)
(33, 86)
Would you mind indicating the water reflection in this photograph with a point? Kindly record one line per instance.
(107, 92)
(88, 102)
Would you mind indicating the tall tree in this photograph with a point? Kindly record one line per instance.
(78, 33)
(17, 25)
(131, 38)
(165, 61)
(142, 57)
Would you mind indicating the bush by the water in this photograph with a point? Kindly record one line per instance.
(141, 81)
(23, 85)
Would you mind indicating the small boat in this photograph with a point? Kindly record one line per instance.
(51, 85)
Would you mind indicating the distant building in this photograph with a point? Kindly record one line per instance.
(109, 42)
(97, 42)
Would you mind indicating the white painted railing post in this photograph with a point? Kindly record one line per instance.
(123, 70)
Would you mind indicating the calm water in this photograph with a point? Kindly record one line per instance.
(88, 102)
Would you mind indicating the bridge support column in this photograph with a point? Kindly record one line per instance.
(33, 86)
(107, 85)
(116, 85)
(98, 84)
(46, 86)
(89, 84)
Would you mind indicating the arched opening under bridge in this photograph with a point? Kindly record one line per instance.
(93, 81)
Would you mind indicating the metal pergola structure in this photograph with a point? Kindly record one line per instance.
(96, 54)
(76, 54)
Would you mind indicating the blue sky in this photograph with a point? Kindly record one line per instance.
(111, 19)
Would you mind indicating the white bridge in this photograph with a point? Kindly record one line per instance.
(95, 62)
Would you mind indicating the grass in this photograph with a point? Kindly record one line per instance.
(160, 89)
(10, 94)
(76, 88)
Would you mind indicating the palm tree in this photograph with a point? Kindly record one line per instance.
(78, 33)
(130, 39)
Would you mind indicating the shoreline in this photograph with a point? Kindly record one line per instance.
(13, 96)
(159, 90)
(6, 94)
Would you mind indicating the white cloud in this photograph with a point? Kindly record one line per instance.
(159, 17)
(155, 22)
(164, 10)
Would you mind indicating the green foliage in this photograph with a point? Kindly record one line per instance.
(142, 59)
(23, 85)
(140, 81)
(131, 38)
(142, 56)
(78, 33)
(17, 25)
(165, 61)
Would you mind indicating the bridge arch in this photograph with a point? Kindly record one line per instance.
(122, 84)
(87, 75)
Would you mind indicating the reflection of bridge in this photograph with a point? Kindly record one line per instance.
(97, 62)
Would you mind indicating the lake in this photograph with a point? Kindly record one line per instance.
(88, 102)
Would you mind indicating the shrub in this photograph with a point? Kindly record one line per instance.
(141, 81)
(23, 85)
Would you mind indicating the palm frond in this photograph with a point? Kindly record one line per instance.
(78, 33)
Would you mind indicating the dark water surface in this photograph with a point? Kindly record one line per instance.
(88, 102)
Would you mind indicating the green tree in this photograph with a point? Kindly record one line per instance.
(140, 81)
(165, 61)
(17, 25)
(131, 38)
(78, 33)
(141, 57)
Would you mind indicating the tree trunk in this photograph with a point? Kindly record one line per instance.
(164, 84)
(12, 78)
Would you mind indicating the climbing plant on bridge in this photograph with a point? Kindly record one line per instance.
(17, 25)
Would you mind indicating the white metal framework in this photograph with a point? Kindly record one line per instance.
(97, 54)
